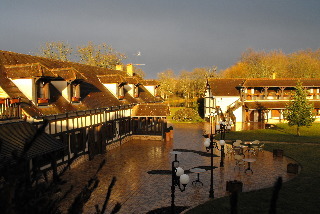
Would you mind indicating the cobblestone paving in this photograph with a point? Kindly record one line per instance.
(139, 191)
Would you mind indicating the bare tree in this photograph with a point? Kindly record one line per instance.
(56, 50)
(100, 55)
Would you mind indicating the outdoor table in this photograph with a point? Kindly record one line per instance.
(248, 145)
(198, 171)
(238, 150)
(249, 160)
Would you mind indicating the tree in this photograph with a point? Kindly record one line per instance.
(56, 50)
(299, 111)
(168, 83)
(100, 55)
(261, 64)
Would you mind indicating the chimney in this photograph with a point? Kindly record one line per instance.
(273, 75)
(119, 67)
(130, 69)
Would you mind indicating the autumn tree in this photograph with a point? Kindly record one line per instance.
(261, 64)
(298, 111)
(167, 81)
(100, 55)
(56, 50)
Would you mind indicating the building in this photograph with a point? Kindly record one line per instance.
(255, 100)
(87, 109)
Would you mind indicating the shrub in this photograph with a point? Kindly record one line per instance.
(186, 115)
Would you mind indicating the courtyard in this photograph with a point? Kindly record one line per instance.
(142, 170)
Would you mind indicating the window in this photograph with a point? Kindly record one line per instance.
(136, 91)
(121, 92)
(43, 93)
(75, 92)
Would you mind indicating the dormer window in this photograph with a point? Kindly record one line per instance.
(75, 92)
(157, 91)
(121, 92)
(136, 91)
(43, 92)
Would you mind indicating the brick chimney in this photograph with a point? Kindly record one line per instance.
(273, 75)
(119, 67)
(130, 69)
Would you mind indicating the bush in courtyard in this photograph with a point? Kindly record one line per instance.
(186, 115)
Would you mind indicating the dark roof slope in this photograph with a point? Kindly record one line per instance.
(14, 136)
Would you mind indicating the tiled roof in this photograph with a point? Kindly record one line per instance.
(228, 86)
(280, 82)
(112, 78)
(93, 93)
(13, 91)
(67, 73)
(225, 87)
(132, 80)
(151, 110)
(145, 95)
(14, 136)
(150, 82)
(28, 70)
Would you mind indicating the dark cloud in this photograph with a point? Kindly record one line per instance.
(179, 34)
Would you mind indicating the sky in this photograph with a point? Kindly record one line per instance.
(169, 34)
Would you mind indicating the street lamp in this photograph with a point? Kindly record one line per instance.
(210, 144)
(178, 177)
(222, 143)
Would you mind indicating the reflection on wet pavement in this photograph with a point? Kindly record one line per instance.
(142, 169)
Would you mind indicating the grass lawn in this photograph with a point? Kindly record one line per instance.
(281, 133)
(299, 195)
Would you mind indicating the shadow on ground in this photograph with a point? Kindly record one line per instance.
(160, 210)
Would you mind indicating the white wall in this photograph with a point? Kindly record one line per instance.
(238, 114)
(224, 101)
(129, 88)
(113, 88)
(150, 88)
(62, 87)
(25, 86)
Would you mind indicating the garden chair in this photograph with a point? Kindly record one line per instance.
(239, 161)
(261, 147)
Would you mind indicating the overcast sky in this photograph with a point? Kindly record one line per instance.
(170, 34)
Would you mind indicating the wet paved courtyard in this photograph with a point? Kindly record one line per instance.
(143, 183)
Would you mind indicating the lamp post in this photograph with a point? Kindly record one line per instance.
(222, 143)
(223, 128)
(210, 144)
(176, 181)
